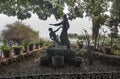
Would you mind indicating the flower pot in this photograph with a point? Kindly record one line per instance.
(31, 47)
(41, 44)
(6, 53)
(17, 51)
(37, 46)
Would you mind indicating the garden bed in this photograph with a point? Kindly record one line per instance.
(32, 67)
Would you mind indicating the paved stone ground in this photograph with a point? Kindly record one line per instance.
(32, 67)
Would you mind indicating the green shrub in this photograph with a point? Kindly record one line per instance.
(5, 48)
(116, 52)
(18, 47)
(26, 43)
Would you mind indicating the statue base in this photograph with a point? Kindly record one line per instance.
(57, 56)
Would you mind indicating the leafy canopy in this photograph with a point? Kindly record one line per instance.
(43, 8)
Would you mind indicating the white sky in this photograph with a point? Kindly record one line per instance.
(76, 26)
(42, 26)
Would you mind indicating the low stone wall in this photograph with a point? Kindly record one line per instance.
(112, 59)
(105, 58)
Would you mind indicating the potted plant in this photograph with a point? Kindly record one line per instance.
(37, 46)
(6, 50)
(41, 43)
(17, 49)
(31, 46)
(26, 46)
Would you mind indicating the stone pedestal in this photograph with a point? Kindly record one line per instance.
(57, 61)
(60, 55)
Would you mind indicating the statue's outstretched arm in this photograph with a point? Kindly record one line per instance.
(57, 24)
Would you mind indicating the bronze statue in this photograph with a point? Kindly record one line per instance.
(64, 36)
(53, 36)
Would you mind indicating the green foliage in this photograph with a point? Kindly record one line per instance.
(43, 8)
(72, 35)
(79, 42)
(116, 52)
(17, 46)
(114, 20)
(20, 32)
(115, 13)
(26, 43)
(5, 46)
(47, 43)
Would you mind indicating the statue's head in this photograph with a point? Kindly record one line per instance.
(50, 29)
(64, 16)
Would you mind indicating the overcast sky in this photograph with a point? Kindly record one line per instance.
(76, 26)
(42, 26)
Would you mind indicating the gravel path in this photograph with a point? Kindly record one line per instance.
(32, 67)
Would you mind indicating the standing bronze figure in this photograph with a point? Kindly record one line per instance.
(64, 36)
